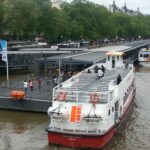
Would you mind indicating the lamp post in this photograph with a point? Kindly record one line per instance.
(59, 70)
(70, 59)
(44, 59)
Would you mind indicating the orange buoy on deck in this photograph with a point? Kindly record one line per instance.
(17, 95)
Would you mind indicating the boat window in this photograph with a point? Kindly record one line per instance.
(145, 55)
(120, 109)
(108, 58)
(141, 55)
(109, 112)
(124, 99)
(118, 58)
(112, 109)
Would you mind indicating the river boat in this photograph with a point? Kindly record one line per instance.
(86, 112)
(144, 57)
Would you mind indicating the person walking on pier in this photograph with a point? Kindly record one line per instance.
(25, 84)
(31, 85)
(39, 83)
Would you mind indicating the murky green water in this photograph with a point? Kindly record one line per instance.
(26, 131)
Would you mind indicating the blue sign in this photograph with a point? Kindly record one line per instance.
(3, 45)
(3, 48)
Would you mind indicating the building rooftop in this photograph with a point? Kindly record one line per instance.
(114, 8)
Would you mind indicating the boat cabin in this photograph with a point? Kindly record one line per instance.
(144, 55)
(114, 60)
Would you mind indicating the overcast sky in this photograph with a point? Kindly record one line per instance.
(144, 5)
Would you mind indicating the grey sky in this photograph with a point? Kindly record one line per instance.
(144, 5)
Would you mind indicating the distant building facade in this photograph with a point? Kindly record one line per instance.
(114, 8)
(57, 3)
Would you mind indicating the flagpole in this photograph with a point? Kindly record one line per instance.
(59, 67)
(7, 72)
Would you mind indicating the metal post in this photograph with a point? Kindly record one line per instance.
(3, 48)
(59, 67)
(7, 72)
(70, 64)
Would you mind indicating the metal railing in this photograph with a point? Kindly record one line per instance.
(44, 92)
(81, 96)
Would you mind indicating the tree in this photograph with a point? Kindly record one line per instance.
(80, 19)
(2, 25)
(21, 17)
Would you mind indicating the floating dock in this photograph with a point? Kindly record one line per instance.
(24, 105)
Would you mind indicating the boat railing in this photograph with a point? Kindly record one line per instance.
(88, 131)
(74, 79)
(80, 96)
(112, 82)
(82, 76)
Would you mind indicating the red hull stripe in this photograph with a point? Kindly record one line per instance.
(96, 142)
(128, 106)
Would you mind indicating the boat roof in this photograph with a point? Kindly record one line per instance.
(114, 53)
(145, 50)
(87, 57)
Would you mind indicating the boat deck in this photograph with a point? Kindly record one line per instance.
(88, 83)
(102, 84)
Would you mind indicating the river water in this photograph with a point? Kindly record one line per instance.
(26, 131)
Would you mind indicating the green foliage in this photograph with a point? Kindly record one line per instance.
(27, 19)
(2, 26)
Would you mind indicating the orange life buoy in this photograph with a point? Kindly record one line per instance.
(62, 95)
(94, 98)
(17, 95)
(14, 94)
(20, 95)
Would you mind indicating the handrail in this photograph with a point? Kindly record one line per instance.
(86, 92)
(69, 80)
(80, 96)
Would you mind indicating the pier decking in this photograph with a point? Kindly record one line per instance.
(36, 100)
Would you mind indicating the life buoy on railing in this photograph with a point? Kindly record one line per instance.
(62, 95)
(94, 98)
(17, 95)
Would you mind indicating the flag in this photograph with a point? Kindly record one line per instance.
(3, 49)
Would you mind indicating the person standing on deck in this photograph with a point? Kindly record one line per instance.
(118, 79)
(88, 71)
(103, 68)
(100, 74)
(96, 68)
